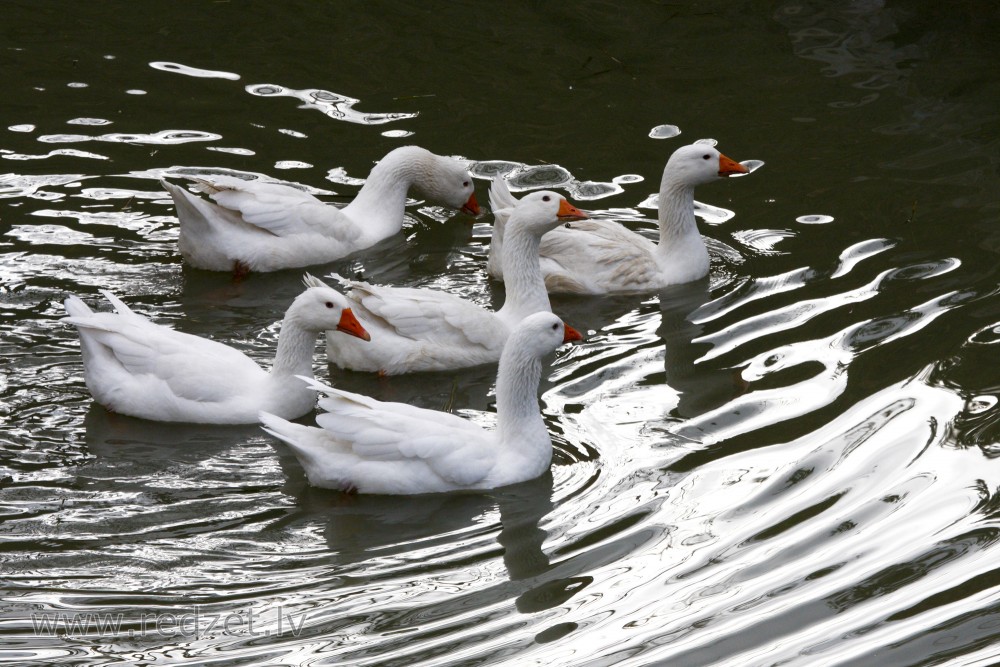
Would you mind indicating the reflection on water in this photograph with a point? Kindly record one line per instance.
(793, 461)
(338, 107)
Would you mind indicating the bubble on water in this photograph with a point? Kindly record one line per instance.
(22, 128)
(625, 179)
(69, 152)
(135, 91)
(339, 175)
(492, 168)
(664, 131)
(814, 219)
(15, 186)
(751, 165)
(333, 105)
(291, 164)
(78, 84)
(707, 142)
(397, 134)
(521, 177)
(165, 137)
(177, 68)
(293, 133)
(593, 190)
(88, 121)
(540, 176)
(234, 151)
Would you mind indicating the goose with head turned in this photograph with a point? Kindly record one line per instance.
(255, 226)
(141, 369)
(369, 446)
(416, 329)
(600, 256)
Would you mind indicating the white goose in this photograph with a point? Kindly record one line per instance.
(425, 330)
(255, 226)
(600, 256)
(368, 446)
(138, 368)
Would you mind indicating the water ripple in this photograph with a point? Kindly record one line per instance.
(333, 105)
(664, 132)
(521, 177)
(197, 72)
(763, 241)
(162, 138)
(793, 462)
(60, 152)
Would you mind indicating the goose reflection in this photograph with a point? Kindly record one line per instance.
(700, 387)
(378, 534)
(118, 438)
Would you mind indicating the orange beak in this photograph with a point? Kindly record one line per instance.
(728, 167)
(472, 206)
(571, 334)
(568, 212)
(350, 325)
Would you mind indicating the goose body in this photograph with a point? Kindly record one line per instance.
(599, 256)
(136, 367)
(369, 446)
(417, 329)
(254, 226)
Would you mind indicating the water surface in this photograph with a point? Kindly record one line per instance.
(793, 461)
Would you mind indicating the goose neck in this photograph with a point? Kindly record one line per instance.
(296, 347)
(522, 274)
(380, 203)
(676, 210)
(519, 421)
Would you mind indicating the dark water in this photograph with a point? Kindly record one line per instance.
(794, 462)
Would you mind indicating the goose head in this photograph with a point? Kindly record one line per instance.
(448, 181)
(541, 333)
(543, 211)
(322, 308)
(698, 164)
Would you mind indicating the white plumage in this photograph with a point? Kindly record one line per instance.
(254, 226)
(138, 368)
(600, 256)
(369, 446)
(422, 329)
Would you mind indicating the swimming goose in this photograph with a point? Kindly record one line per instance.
(138, 368)
(369, 446)
(254, 226)
(600, 256)
(416, 329)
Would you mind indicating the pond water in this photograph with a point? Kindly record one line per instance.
(792, 462)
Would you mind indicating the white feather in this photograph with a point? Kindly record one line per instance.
(258, 226)
(374, 447)
(600, 256)
(142, 369)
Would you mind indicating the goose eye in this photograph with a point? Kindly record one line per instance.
(555, 327)
(706, 156)
(329, 304)
(465, 184)
(546, 198)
